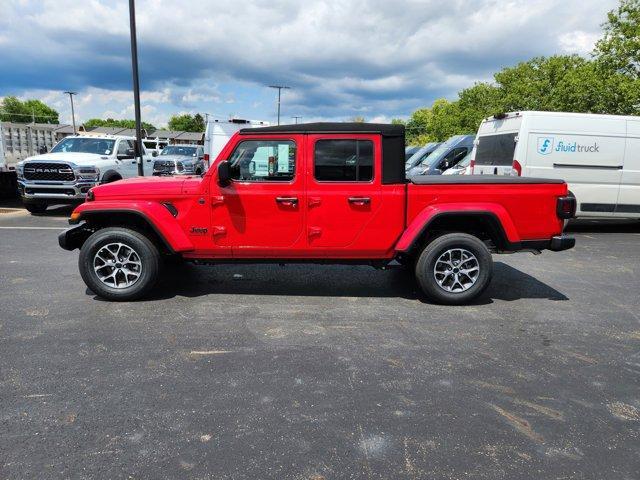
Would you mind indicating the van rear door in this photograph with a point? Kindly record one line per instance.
(494, 154)
(629, 196)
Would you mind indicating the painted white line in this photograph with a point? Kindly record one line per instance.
(209, 352)
(33, 228)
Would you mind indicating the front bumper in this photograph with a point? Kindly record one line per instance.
(74, 237)
(61, 192)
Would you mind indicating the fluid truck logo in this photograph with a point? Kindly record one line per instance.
(545, 145)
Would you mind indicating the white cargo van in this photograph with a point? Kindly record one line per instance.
(597, 155)
(218, 132)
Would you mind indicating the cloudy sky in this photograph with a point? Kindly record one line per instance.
(374, 58)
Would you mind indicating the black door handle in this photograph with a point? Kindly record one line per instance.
(287, 200)
(360, 200)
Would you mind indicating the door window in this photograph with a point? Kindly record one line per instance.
(263, 161)
(343, 160)
(452, 158)
(125, 147)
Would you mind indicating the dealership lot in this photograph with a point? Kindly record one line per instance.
(310, 372)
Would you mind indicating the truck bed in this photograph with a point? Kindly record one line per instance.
(526, 207)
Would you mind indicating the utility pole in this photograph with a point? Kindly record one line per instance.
(280, 88)
(296, 118)
(73, 113)
(136, 85)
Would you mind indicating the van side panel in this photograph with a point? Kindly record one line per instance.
(586, 152)
(629, 197)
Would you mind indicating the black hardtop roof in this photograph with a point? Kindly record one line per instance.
(385, 129)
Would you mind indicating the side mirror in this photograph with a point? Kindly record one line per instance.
(224, 174)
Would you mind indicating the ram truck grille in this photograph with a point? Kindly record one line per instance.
(58, 172)
(164, 166)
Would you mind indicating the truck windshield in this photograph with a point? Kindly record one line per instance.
(496, 149)
(178, 150)
(99, 146)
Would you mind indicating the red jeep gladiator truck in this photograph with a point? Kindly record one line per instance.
(316, 193)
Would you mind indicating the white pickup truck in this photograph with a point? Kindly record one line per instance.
(73, 166)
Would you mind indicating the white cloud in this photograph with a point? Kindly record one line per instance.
(375, 57)
(578, 41)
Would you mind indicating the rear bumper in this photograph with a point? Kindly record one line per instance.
(557, 243)
(561, 242)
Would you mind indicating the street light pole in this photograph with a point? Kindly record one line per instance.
(296, 118)
(280, 88)
(136, 85)
(73, 113)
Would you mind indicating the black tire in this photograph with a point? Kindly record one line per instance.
(36, 208)
(110, 179)
(142, 247)
(428, 280)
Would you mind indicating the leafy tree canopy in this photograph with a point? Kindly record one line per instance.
(13, 109)
(187, 123)
(110, 122)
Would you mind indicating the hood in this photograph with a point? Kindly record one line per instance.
(173, 158)
(69, 157)
(148, 186)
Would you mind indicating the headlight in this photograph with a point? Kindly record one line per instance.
(20, 169)
(88, 173)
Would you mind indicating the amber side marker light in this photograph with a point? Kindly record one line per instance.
(75, 216)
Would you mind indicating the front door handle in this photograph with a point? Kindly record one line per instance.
(359, 200)
(314, 232)
(219, 231)
(292, 201)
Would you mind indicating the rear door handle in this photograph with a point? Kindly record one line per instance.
(287, 200)
(359, 200)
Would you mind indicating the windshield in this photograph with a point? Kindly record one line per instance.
(465, 162)
(441, 151)
(98, 146)
(178, 150)
(421, 154)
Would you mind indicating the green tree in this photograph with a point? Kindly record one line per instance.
(619, 48)
(14, 110)
(187, 123)
(110, 122)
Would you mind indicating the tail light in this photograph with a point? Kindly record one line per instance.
(206, 159)
(516, 169)
(472, 164)
(566, 207)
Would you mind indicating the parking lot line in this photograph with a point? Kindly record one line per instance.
(32, 228)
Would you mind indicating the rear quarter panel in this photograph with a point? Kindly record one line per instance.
(526, 211)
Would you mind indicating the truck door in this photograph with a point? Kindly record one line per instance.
(125, 160)
(629, 196)
(343, 188)
(260, 214)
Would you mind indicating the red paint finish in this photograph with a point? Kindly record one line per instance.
(307, 218)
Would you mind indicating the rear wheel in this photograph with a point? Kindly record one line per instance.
(36, 207)
(454, 269)
(119, 264)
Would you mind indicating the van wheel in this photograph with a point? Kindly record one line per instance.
(454, 269)
(119, 264)
(36, 207)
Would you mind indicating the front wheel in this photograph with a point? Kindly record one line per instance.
(454, 269)
(119, 264)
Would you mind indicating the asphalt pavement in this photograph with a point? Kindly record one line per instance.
(321, 372)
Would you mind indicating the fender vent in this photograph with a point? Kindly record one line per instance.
(172, 209)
